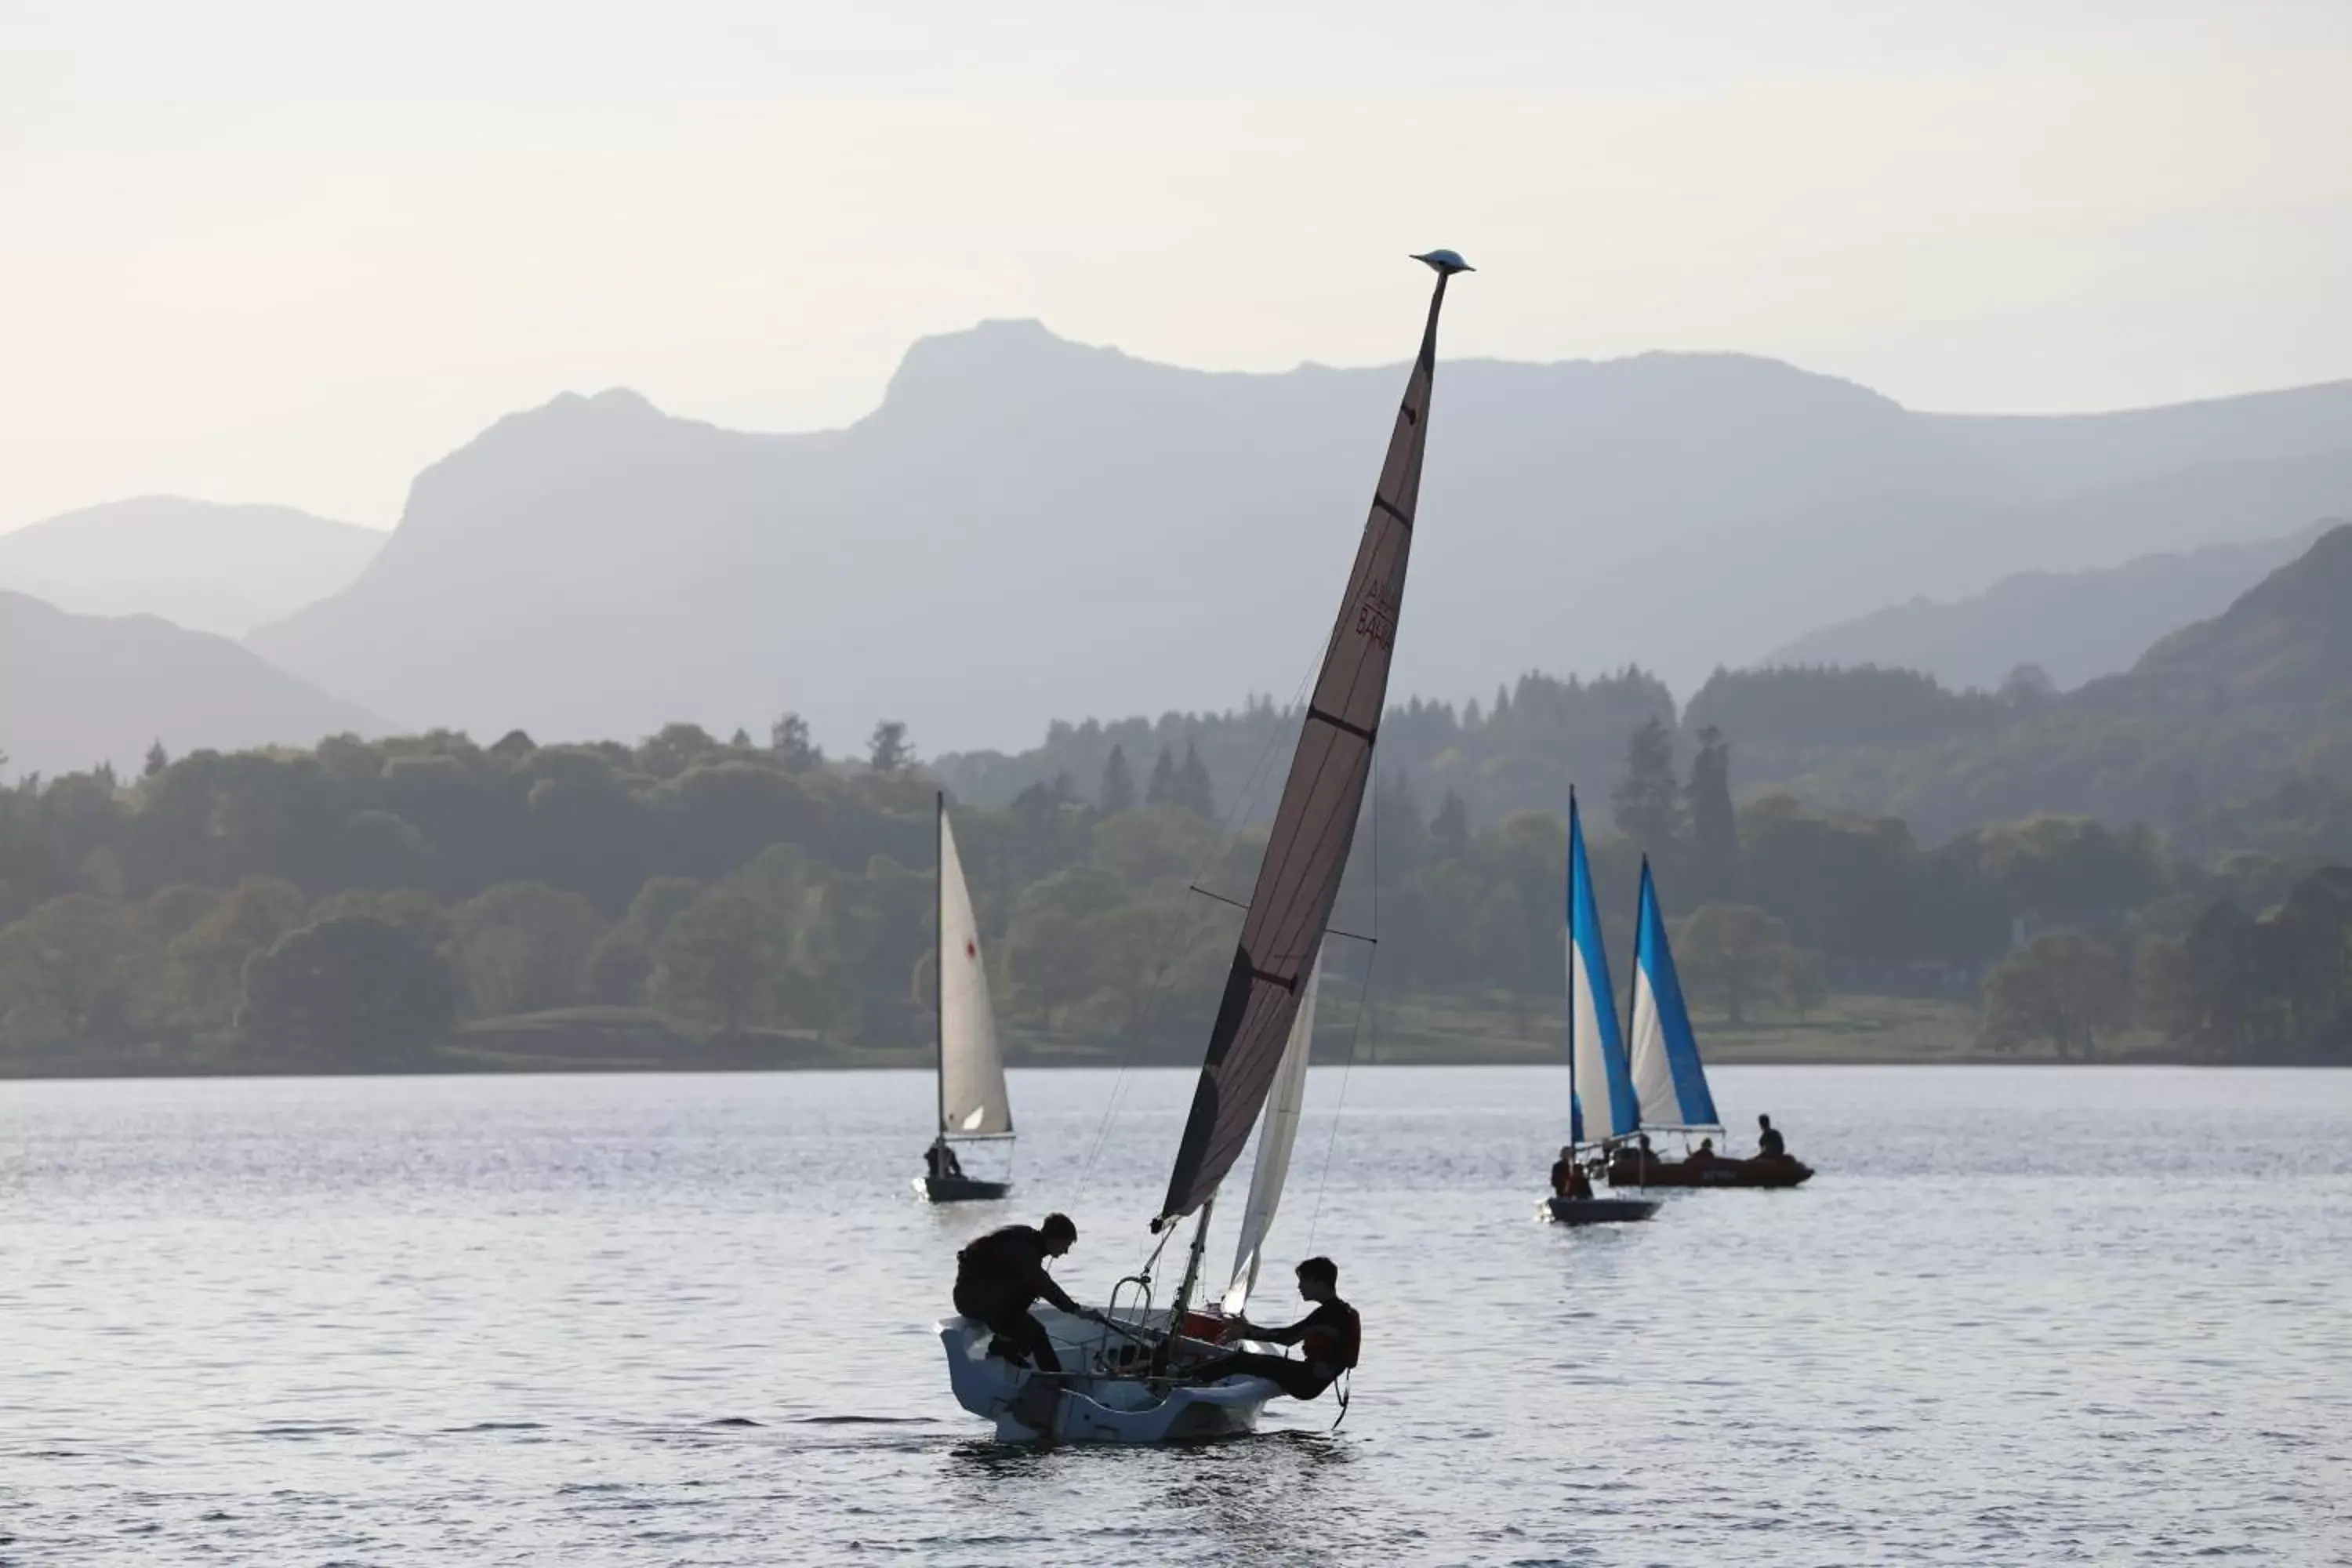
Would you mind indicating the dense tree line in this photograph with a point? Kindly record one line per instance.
(356, 901)
(2231, 987)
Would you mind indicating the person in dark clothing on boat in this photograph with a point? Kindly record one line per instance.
(1329, 1337)
(1700, 1158)
(940, 1159)
(1000, 1277)
(1564, 1172)
(1770, 1145)
(1643, 1162)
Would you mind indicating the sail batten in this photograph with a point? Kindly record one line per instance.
(973, 1102)
(1668, 1078)
(1315, 824)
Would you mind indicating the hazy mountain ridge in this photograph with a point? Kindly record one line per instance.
(2286, 645)
(204, 565)
(1027, 527)
(2076, 627)
(86, 690)
(2257, 699)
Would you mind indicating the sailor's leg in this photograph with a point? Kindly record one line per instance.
(1295, 1378)
(1030, 1336)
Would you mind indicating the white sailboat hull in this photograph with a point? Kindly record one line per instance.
(1088, 1408)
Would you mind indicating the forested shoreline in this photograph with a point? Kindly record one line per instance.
(428, 903)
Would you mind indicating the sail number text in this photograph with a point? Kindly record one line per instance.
(1376, 616)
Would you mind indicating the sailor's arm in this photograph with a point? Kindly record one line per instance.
(1285, 1336)
(1054, 1293)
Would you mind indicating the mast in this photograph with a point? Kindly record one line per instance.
(940, 963)
(1315, 825)
(1192, 1266)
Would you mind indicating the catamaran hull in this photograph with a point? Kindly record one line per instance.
(1601, 1211)
(1025, 1409)
(959, 1190)
(1763, 1171)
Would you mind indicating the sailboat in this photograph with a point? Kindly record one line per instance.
(973, 1106)
(1127, 1385)
(1601, 1104)
(1670, 1081)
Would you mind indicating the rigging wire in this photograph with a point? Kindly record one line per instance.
(1356, 1034)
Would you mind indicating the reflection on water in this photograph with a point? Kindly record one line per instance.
(2022, 1316)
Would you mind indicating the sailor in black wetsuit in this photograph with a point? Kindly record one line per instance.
(943, 1161)
(1000, 1277)
(1331, 1336)
(1768, 1142)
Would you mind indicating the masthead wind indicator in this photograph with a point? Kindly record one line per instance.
(1445, 263)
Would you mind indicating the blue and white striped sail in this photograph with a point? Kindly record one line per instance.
(1600, 1085)
(1668, 1078)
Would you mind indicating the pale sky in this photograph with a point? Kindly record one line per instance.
(294, 252)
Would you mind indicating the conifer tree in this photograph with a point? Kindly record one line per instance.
(1714, 826)
(1117, 783)
(1161, 790)
(1647, 800)
(1194, 788)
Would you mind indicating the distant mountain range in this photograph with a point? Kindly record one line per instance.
(1027, 527)
(2076, 626)
(80, 690)
(198, 565)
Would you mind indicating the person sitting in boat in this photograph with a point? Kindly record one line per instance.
(1700, 1158)
(1770, 1145)
(1566, 1175)
(1644, 1163)
(1329, 1337)
(1000, 1277)
(941, 1159)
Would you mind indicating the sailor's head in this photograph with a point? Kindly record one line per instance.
(1318, 1280)
(1765, 1122)
(1707, 1145)
(1058, 1233)
(1568, 1151)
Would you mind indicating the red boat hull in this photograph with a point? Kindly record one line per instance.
(1628, 1169)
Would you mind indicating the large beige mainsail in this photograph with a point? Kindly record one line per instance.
(973, 1100)
(1315, 826)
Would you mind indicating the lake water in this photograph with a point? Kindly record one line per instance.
(2032, 1315)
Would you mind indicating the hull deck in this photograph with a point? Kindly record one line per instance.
(1762, 1170)
(960, 1189)
(1091, 1406)
(1601, 1211)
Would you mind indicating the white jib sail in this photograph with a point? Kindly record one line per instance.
(1276, 1134)
(973, 1100)
(1654, 1075)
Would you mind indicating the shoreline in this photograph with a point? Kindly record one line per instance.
(89, 1072)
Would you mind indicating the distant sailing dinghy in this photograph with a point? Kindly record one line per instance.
(1124, 1370)
(1670, 1081)
(1601, 1105)
(974, 1105)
